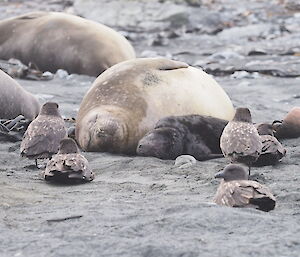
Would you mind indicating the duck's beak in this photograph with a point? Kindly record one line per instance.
(219, 174)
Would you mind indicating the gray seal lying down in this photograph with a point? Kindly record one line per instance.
(53, 40)
(15, 100)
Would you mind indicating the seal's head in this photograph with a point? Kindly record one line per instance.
(164, 143)
(67, 145)
(49, 108)
(242, 115)
(102, 132)
(233, 172)
(290, 126)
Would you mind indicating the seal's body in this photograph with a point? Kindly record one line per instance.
(289, 127)
(127, 100)
(53, 40)
(15, 100)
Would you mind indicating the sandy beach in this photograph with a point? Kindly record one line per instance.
(143, 206)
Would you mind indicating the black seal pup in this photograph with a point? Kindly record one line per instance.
(236, 190)
(195, 135)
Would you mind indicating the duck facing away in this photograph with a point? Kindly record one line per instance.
(272, 150)
(240, 141)
(68, 165)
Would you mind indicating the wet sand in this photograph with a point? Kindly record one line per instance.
(146, 206)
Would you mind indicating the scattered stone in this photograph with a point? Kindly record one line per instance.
(185, 161)
(62, 74)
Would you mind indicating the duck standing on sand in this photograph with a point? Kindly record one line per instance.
(43, 135)
(240, 141)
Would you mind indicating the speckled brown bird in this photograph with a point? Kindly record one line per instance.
(236, 190)
(272, 150)
(264, 129)
(68, 165)
(43, 135)
(289, 127)
(240, 141)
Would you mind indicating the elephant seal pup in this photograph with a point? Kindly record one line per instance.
(127, 100)
(194, 135)
(43, 135)
(68, 165)
(240, 141)
(236, 190)
(290, 126)
(53, 40)
(15, 100)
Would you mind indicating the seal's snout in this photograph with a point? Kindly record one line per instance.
(105, 133)
(150, 147)
(142, 149)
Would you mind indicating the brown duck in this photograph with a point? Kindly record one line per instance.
(68, 165)
(42, 137)
(272, 150)
(236, 190)
(240, 141)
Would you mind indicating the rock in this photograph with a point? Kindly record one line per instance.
(185, 161)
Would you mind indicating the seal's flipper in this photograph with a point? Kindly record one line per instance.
(71, 132)
(166, 64)
(3, 128)
(30, 16)
(11, 124)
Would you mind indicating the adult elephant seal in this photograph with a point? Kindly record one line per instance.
(53, 40)
(127, 100)
(15, 100)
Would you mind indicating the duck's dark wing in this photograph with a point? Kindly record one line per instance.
(240, 138)
(245, 193)
(43, 136)
(272, 151)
